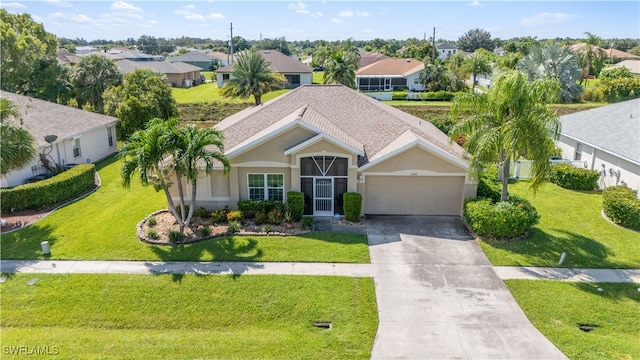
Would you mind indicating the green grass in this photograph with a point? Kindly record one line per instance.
(417, 103)
(556, 308)
(571, 222)
(188, 317)
(209, 93)
(102, 227)
(317, 77)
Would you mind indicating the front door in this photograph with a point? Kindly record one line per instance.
(387, 84)
(323, 196)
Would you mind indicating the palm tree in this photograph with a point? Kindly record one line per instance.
(509, 121)
(434, 77)
(16, 142)
(477, 64)
(554, 62)
(593, 57)
(341, 68)
(252, 76)
(91, 77)
(195, 145)
(146, 152)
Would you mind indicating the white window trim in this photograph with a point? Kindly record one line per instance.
(74, 145)
(110, 136)
(266, 185)
(578, 153)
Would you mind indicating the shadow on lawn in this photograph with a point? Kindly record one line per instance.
(546, 249)
(24, 244)
(240, 251)
(613, 291)
(336, 237)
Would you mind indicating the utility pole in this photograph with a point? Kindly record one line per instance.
(433, 44)
(231, 43)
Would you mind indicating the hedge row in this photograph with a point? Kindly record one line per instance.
(59, 188)
(622, 206)
(429, 95)
(573, 178)
(352, 204)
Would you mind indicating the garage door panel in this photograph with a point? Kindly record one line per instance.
(413, 195)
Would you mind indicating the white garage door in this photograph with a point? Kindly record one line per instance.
(413, 195)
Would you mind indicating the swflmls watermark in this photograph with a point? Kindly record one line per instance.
(30, 350)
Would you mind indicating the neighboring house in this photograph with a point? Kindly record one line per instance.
(390, 74)
(368, 58)
(607, 139)
(178, 74)
(67, 58)
(632, 65)
(195, 58)
(222, 58)
(445, 50)
(85, 50)
(294, 71)
(82, 136)
(325, 140)
(614, 55)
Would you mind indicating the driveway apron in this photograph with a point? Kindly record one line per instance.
(439, 298)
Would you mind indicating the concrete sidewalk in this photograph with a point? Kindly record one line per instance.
(184, 267)
(568, 274)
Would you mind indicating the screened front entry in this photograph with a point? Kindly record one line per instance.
(323, 179)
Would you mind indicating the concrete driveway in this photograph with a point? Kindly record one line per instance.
(439, 298)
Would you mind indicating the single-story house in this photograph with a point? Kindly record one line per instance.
(390, 74)
(369, 57)
(325, 140)
(195, 58)
(66, 58)
(607, 139)
(178, 74)
(222, 58)
(294, 71)
(80, 136)
(445, 50)
(632, 65)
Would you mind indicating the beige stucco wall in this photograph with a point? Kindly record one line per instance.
(273, 149)
(417, 158)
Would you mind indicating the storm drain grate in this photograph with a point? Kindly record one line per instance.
(587, 327)
(323, 325)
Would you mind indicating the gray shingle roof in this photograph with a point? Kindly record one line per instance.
(614, 128)
(193, 56)
(47, 118)
(278, 62)
(165, 67)
(348, 115)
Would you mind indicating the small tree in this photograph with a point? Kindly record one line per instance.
(91, 77)
(475, 39)
(17, 143)
(476, 64)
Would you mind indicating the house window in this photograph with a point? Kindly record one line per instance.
(578, 154)
(110, 135)
(266, 187)
(416, 80)
(225, 77)
(76, 148)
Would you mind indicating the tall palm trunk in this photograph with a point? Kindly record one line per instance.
(506, 164)
(181, 194)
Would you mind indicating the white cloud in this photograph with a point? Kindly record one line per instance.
(182, 12)
(194, 16)
(547, 18)
(215, 16)
(474, 3)
(297, 6)
(336, 21)
(13, 5)
(78, 18)
(317, 14)
(190, 7)
(349, 13)
(59, 3)
(121, 5)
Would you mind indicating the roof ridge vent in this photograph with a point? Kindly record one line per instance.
(302, 111)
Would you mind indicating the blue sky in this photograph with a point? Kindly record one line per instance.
(331, 20)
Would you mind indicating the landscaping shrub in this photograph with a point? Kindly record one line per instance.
(252, 206)
(269, 205)
(573, 178)
(399, 95)
(306, 222)
(502, 220)
(261, 218)
(203, 213)
(593, 94)
(352, 205)
(152, 234)
(620, 89)
(295, 204)
(56, 189)
(622, 206)
(266, 228)
(248, 208)
(205, 231)
(151, 221)
(234, 227)
(175, 236)
(490, 190)
(275, 217)
(235, 215)
(220, 216)
(438, 95)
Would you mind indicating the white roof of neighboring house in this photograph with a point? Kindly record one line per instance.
(165, 67)
(632, 65)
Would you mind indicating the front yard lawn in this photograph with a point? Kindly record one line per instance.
(102, 226)
(558, 308)
(208, 92)
(161, 317)
(570, 222)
